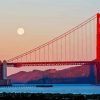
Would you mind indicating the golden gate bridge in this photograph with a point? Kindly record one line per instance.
(78, 46)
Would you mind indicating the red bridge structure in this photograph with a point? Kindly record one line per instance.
(78, 46)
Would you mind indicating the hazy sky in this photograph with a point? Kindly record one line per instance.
(41, 19)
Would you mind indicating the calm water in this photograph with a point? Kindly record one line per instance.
(57, 88)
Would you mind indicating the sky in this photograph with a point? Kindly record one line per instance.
(42, 20)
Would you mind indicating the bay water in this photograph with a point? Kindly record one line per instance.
(57, 88)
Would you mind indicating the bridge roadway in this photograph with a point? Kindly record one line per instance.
(60, 63)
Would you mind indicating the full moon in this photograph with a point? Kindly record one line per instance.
(20, 31)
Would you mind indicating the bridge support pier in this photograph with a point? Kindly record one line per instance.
(92, 75)
(97, 73)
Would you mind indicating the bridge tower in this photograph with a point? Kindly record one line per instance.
(98, 49)
(3, 74)
(4, 69)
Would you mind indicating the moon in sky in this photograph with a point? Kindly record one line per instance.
(20, 31)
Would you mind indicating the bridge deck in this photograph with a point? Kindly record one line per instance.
(19, 64)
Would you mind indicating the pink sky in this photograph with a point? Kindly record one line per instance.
(42, 20)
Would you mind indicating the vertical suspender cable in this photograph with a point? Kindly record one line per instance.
(65, 48)
(39, 54)
(52, 52)
(48, 52)
(44, 54)
(61, 49)
(35, 56)
(56, 50)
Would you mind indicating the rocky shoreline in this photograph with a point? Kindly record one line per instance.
(47, 96)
